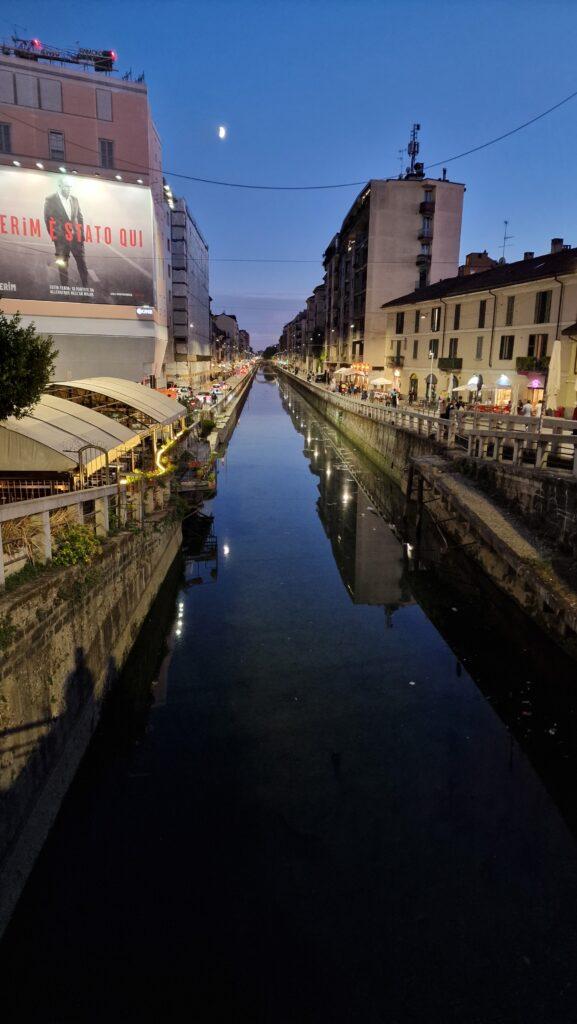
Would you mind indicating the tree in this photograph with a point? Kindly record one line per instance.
(270, 351)
(26, 364)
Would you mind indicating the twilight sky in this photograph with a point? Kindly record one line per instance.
(323, 91)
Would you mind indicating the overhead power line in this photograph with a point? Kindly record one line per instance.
(311, 188)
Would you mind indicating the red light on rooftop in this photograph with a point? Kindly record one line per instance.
(36, 44)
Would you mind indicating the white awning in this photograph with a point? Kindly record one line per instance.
(50, 438)
(160, 408)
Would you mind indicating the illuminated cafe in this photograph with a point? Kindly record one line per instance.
(497, 338)
(85, 433)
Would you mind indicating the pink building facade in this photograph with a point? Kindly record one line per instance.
(95, 131)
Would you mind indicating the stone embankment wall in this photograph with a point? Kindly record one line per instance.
(546, 502)
(388, 446)
(468, 500)
(63, 638)
(227, 417)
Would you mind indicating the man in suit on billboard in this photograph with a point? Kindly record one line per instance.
(65, 225)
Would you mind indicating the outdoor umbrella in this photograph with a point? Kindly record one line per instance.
(380, 382)
(554, 376)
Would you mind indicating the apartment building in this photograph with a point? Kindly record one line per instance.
(399, 235)
(189, 351)
(315, 327)
(490, 333)
(231, 342)
(244, 342)
(84, 225)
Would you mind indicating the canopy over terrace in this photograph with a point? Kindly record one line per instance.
(137, 407)
(58, 436)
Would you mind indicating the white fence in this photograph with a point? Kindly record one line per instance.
(547, 443)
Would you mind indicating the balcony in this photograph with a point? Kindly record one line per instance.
(532, 364)
(395, 361)
(423, 259)
(450, 363)
(425, 235)
(426, 208)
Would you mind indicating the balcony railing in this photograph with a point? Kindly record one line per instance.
(395, 361)
(423, 259)
(532, 364)
(426, 207)
(425, 235)
(450, 363)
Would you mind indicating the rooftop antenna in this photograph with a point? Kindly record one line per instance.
(506, 237)
(401, 153)
(413, 148)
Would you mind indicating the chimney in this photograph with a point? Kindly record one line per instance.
(556, 245)
(528, 255)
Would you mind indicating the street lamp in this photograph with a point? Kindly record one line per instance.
(431, 357)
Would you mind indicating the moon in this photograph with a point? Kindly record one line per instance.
(221, 131)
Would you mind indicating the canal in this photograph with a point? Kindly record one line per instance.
(336, 782)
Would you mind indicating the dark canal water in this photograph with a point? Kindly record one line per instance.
(336, 784)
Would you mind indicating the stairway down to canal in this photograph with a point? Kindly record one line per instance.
(335, 783)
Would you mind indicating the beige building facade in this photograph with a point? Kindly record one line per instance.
(488, 335)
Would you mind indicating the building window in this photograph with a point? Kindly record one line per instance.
(453, 346)
(422, 279)
(5, 140)
(457, 317)
(50, 94)
(104, 105)
(26, 90)
(415, 348)
(436, 318)
(106, 152)
(7, 87)
(400, 323)
(56, 145)
(417, 320)
(479, 348)
(434, 348)
(538, 344)
(482, 312)
(506, 346)
(510, 310)
(542, 307)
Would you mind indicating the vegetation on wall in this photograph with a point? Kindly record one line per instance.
(75, 545)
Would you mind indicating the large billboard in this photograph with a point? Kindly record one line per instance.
(67, 238)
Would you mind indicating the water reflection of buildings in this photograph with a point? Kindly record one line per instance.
(369, 556)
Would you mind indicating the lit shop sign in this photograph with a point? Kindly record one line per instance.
(145, 312)
(75, 239)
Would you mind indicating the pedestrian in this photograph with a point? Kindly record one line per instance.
(527, 409)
